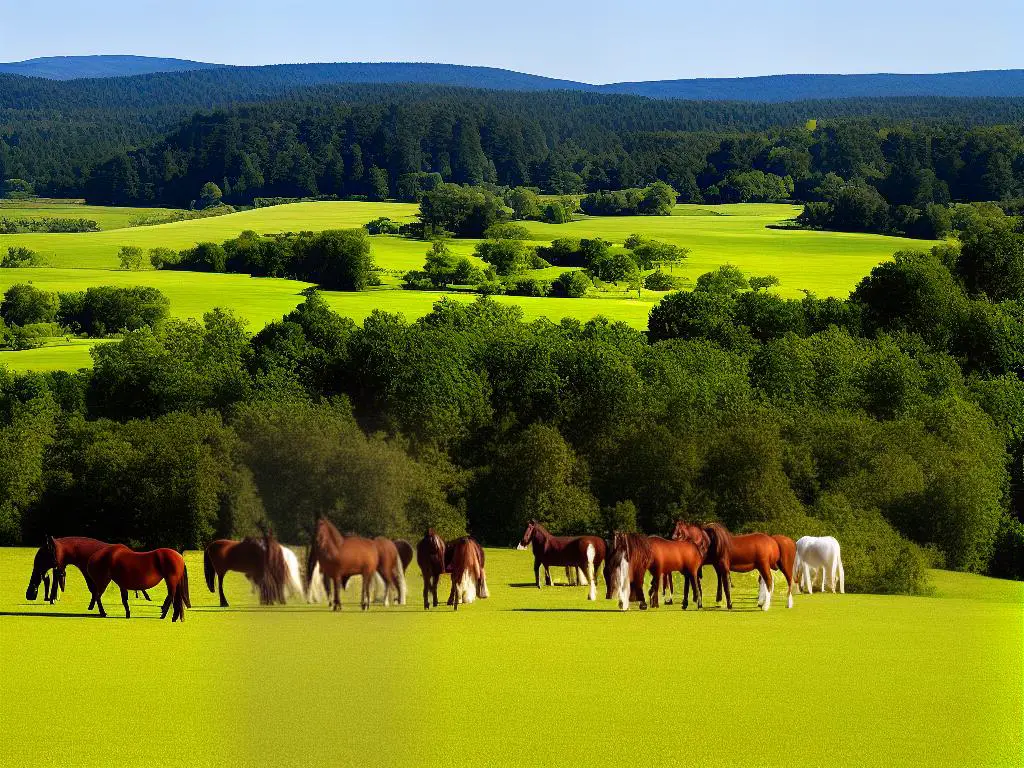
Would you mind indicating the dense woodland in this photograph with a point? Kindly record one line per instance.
(893, 420)
(76, 138)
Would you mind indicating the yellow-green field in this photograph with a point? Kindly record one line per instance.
(527, 677)
(828, 263)
(106, 217)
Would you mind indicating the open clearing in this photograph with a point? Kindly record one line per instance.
(827, 263)
(861, 680)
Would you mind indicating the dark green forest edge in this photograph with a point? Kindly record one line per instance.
(893, 420)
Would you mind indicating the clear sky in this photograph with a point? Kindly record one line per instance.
(590, 40)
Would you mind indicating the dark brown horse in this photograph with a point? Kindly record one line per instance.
(405, 552)
(467, 569)
(628, 560)
(341, 557)
(583, 552)
(140, 570)
(57, 555)
(480, 583)
(248, 557)
(389, 568)
(430, 556)
(748, 552)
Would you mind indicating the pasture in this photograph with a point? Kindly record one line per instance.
(105, 216)
(828, 263)
(528, 677)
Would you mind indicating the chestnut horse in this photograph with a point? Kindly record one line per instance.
(389, 568)
(467, 568)
(480, 582)
(786, 564)
(583, 552)
(748, 552)
(405, 552)
(339, 558)
(140, 570)
(247, 557)
(660, 557)
(430, 556)
(58, 554)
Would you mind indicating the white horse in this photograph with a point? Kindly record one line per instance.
(814, 553)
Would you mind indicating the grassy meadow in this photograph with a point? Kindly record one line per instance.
(827, 263)
(864, 680)
(105, 216)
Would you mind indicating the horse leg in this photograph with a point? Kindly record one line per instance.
(124, 601)
(436, 579)
(145, 594)
(336, 582)
(638, 585)
(591, 580)
(547, 576)
(765, 571)
(536, 573)
(220, 583)
(655, 586)
(787, 573)
(686, 590)
(724, 582)
(697, 588)
(426, 592)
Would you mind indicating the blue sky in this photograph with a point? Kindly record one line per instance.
(592, 40)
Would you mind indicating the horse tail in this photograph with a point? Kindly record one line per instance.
(316, 586)
(184, 587)
(720, 539)
(208, 569)
(842, 574)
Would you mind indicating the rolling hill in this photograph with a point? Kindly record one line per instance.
(74, 67)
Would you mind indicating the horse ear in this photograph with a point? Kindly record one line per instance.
(50, 543)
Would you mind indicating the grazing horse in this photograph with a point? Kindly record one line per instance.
(247, 556)
(339, 558)
(748, 552)
(467, 568)
(819, 552)
(480, 585)
(390, 570)
(405, 552)
(140, 570)
(430, 556)
(669, 556)
(58, 554)
(583, 552)
(629, 558)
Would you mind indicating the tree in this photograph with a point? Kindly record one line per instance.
(572, 284)
(763, 283)
(464, 211)
(613, 267)
(379, 187)
(210, 195)
(992, 257)
(24, 304)
(506, 256)
(524, 202)
(724, 281)
(337, 259)
(130, 257)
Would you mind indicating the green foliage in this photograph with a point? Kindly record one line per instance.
(992, 257)
(20, 256)
(650, 253)
(506, 256)
(572, 284)
(763, 283)
(524, 202)
(507, 231)
(661, 281)
(656, 200)
(724, 281)
(464, 211)
(210, 195)
(24, 304)
(130, 257)
(382, 226)
(613, 266)
(105, 309)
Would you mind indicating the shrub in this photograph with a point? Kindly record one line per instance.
(572, 284)
(507, 230)
(530, 286)
(24, 304)
(659, 281)
(383, 226)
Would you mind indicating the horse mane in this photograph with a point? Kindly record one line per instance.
(638, 548)
(720, 540)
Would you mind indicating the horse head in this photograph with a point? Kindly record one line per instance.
(46, 558)
(528, 534)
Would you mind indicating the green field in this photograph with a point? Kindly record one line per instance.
(828, 263)
(847, 680)
(106, 217)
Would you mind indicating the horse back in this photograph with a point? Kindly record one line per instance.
(78, 550)
(356, 556)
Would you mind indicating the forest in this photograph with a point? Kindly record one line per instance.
(893, 419)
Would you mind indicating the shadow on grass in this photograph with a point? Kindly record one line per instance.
(42, 615)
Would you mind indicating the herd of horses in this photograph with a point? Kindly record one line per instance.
(334, 558)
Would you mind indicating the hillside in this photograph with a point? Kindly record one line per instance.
(277, 78)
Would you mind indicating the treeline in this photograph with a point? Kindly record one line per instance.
(29, 314)
(378, 141)
(46, 224)
(893, 420)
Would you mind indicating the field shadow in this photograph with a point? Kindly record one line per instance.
(564, 610)
(39, 615)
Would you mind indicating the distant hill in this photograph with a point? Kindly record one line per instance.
(76, 67)
(268, 80)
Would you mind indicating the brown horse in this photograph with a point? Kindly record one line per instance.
(583, 552)
(248, 557)
(467, 568)
(389, 568)
(341, 557)
(748, 552)
(786, 564)
(405, 553)
(140, 570)
(628, 560)
(668, 557)
(449, 565)
(58, 554)
(430, 556)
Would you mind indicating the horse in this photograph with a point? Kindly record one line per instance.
(140, 570)
(669, 556)
(430, 556)
(583, 552)
(341, 557)
(405, 552)
(480, 583)
(628, 560)
(247, 556)
(58, 554)
(819, 552)
(467, 568)
(786, 563)
(748, 552)
(390, 570)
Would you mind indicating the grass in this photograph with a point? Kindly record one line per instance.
(828, 263)
(106, 217)
(527, 677)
